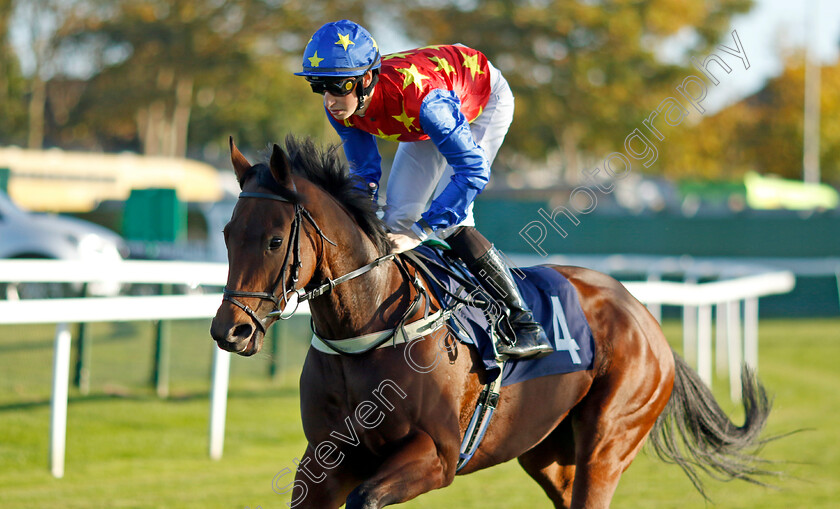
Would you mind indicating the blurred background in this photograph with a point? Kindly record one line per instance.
(99, 98)
(114, 125)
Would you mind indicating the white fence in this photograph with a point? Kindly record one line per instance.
(729, 287)
(115, 309)
(696, 298)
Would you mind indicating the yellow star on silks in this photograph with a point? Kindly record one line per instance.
(348, 122)
(405, 119)
(345, 41)
(390, 137)
(436, 46)
(314, 61)
(412, 75)
(395, 55)
(443, 65)
(480, 110)
(471, 63)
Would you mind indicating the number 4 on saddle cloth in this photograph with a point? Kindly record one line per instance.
(552, 298)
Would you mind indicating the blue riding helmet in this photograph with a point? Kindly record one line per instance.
(340, 49)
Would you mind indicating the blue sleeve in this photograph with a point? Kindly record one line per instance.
(361, 151)
(442, 120)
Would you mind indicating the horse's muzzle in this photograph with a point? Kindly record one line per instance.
(241, 337)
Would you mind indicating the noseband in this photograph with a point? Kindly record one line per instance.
(292, 249)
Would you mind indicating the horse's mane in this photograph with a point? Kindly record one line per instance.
(324, 168)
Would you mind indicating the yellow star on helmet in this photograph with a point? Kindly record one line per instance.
(471, 63)
(405, 119)
(314, 61)
(443, 65)
(345, 41)
(412, 75)
(389, 137)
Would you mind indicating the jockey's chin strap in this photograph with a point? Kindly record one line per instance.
(292, 249)
(361, 91)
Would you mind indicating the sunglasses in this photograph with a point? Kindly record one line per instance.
(338, 87)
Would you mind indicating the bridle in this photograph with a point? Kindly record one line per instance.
(292, 250)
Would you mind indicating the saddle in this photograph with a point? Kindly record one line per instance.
(475, 317)
(469, 293)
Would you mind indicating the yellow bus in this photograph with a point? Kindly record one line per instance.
(62, 181)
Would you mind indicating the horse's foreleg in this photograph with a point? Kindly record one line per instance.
(314, 486)
(412, 470)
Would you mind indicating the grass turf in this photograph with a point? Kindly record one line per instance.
(128, 449)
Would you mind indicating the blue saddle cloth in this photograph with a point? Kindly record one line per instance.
(551, 297)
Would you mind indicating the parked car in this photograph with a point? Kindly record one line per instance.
(25, 234)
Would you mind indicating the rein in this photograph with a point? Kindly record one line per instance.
(489, 397)
(293, 249)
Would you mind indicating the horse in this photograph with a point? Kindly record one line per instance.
(380, 433)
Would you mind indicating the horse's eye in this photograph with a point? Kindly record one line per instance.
(275, 243)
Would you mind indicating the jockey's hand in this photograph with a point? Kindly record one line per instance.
(403, 241)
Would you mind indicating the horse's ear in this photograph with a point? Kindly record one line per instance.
(240, 164)
(281, 167)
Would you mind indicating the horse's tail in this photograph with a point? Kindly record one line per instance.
(709, 440)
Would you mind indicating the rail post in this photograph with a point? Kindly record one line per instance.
(58, 401)
(160, 373)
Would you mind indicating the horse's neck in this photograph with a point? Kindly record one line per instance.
(360, 305)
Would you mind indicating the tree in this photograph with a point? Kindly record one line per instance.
(37, 22)
(12, 85)
(763, 132)
(585, 74)
(163, 62)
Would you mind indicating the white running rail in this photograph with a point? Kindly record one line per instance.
(697, 300)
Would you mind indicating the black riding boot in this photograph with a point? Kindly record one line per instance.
(530, 341)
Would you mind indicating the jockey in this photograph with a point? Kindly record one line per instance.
(450, 109)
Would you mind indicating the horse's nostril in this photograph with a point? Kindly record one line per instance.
(242, 331)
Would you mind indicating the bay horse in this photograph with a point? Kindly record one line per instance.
(380, 433)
